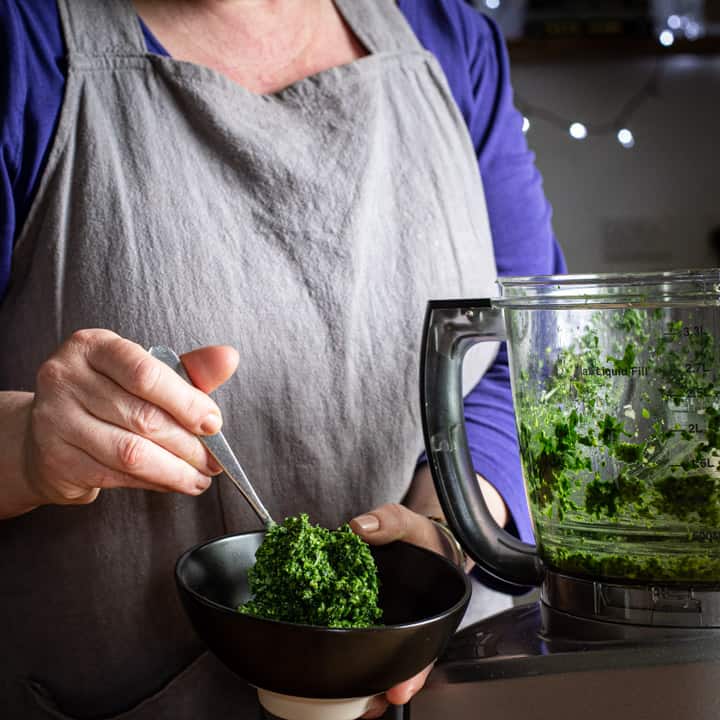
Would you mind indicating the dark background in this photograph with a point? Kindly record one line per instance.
(648, 66)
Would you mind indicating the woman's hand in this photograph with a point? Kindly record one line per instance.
(106, 414)
(378, 527)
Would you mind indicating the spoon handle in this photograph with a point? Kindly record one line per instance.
(217, 445)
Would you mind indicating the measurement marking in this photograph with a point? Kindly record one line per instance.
(686, 332)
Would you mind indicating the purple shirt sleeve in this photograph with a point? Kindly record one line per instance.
(473, 56)
(31, 84)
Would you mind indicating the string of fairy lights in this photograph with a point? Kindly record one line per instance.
(620, 125)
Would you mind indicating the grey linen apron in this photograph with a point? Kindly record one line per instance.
(307, 228)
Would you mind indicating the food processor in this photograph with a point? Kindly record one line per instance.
(616, 390)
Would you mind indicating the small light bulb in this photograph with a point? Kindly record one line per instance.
(578, 131)
(692, 30)
(625, 138)
(526, 124)
(492, 4)
(674, 22)
(667, 38)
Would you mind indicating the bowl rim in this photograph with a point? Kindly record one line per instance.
(464, 600)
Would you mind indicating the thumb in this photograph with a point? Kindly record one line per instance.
(209, 367)
(396, 522)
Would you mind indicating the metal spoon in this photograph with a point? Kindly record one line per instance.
(217, 445)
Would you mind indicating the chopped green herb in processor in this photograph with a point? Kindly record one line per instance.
(619, 427)
(308, 574)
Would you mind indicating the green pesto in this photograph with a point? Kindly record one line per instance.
(700, 567)
(308, 574)
(605, 448)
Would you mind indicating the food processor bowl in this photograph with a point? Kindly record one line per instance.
(616, 388)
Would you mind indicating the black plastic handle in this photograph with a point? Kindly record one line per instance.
(451, 328)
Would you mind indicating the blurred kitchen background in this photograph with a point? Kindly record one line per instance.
(621, 100)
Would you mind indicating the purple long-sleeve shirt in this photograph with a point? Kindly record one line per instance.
(472, 53)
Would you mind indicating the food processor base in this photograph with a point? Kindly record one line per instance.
(506, 666)
(290, 707)
(660, 693)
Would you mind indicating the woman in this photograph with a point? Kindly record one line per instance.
(290, 178)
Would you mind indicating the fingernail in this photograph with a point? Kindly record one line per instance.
(214, 466)
(203, 484)
(211, 424)
(367, 523)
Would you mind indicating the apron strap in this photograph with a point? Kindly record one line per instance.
(379, 25)
(101, 27)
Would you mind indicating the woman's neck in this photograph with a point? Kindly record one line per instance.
(263, 45)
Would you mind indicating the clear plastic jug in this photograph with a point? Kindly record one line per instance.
(616, 386)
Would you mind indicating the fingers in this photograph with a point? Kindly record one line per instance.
(87, 478)
(148, 378)
(107, 414)
(74, 452)
(132, 460)
(400, 694)
(404, 691)
(209, 367)
(396, 522)
(106, 401)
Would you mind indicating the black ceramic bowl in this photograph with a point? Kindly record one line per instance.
(422, 595)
